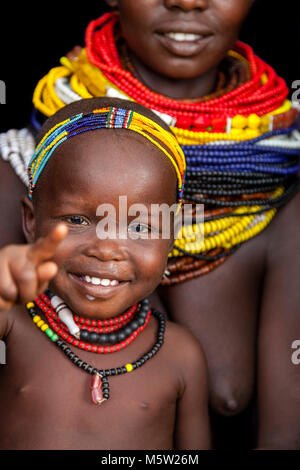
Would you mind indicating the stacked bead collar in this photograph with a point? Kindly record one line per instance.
(108, 337)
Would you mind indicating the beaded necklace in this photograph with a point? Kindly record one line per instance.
(99, 384)
(85, 80)
(260, 95)
(88, 338)
(16, 147)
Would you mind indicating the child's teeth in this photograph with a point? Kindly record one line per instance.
(96, 281)
(184, 36)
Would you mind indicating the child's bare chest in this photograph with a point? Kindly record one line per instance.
(47, 403)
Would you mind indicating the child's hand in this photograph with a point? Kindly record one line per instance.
(26, 270)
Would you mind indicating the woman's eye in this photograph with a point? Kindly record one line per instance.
(76, 220)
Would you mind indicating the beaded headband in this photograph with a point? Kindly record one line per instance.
(107, 118)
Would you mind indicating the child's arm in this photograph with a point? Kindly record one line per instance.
(192, 431)
(25, 271)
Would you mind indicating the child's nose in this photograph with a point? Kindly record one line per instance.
(186, 5)
(106, 250)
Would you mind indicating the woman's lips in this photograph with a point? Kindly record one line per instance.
(183, 44)
(97, 287)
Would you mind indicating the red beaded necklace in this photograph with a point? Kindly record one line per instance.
(44, 303)
(100, 326)
(263, 93)
(107, 326)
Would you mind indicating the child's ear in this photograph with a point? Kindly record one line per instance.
(28, 219)
(112, 3)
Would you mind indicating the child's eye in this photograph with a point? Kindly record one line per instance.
(138, 229)
(76, 220)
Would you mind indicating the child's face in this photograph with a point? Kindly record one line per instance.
(147, 24)
(93, 169)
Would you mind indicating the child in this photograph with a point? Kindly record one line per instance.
(230, 114)
(46, 402)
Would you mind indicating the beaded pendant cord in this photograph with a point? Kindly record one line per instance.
(99, 384)
(110, 342)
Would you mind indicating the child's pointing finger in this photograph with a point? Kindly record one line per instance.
(44, 248)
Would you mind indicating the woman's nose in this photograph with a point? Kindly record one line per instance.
(187, 5)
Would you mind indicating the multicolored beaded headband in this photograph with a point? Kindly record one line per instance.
(107, 118)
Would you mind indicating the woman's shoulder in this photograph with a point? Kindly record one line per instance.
(284, 234)
(288, 217)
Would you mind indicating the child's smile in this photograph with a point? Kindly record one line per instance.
(95, 287)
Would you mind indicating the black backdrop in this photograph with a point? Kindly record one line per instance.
(34, 37)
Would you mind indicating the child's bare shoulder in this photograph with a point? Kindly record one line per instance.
(181, 337)
(186, 351)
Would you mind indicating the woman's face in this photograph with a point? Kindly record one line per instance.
(181, 39)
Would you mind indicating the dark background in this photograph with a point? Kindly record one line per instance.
(33, 39)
